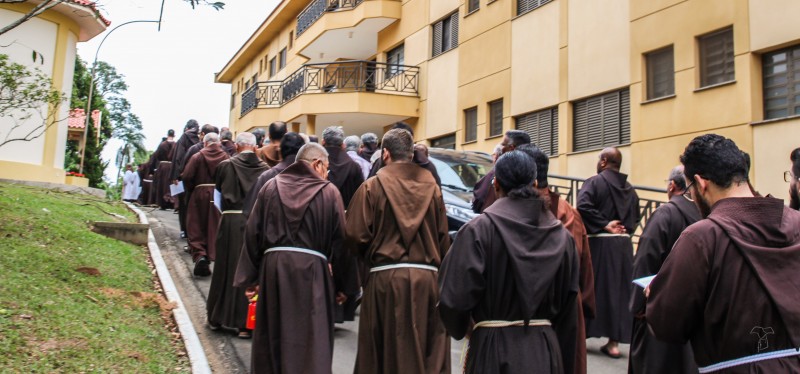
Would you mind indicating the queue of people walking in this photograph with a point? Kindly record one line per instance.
(314, 230)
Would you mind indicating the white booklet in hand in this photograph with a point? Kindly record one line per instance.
(644, 281)
(218, 199)
(176, 189)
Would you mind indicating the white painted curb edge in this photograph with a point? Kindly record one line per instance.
(197, 356)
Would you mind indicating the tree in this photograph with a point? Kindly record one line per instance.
(130, 132)
(28, 102)
(44, 5)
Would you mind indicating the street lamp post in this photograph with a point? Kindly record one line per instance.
(91, 84)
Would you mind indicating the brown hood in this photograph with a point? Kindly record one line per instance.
(536, 244)
(297, 186)
(410, 190)
(247, 167)
(623, 195)
(213, 155)
(768, 235)
(271, 154)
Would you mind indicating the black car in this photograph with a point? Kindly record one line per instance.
(459, 171)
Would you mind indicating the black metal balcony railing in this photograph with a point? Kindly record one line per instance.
(345, 76)
(571, 185)
(317, 8)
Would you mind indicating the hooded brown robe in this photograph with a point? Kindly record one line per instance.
(515, 262)
(229, 147)
(648, 354)
(144, 176)
(399, 217)
(603, 198)
(162, 165)
(250, 199)
(730, 286)
(483, 193)
(420, 158)
(270, 153)
(202, 217)
(227, 305)
(186, 141)
(344, 173)
(585, 306)
(294, 316)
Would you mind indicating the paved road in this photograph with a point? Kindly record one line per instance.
(228, 354)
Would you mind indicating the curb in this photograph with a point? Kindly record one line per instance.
(197, 356)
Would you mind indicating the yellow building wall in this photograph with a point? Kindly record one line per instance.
(773, 23)
(441, 99)
(535, 56)
(772, 144)
(599, 45)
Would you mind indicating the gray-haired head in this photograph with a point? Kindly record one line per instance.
(246, 139)
(311, 152)
(352, 142)
(226, 135)
(369, 138)
(333, 136)
(259, 134)
(211, 138)
(676, 176)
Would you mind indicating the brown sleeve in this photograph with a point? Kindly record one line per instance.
(251, 252)
(359, 222)
(441, 224)
(586, 280)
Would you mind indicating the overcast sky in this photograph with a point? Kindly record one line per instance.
(170, 74)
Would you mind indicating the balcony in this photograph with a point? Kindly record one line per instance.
(331, 30)
(317, 9)
(331, 78)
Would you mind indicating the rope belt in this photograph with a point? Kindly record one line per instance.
(205, 185)
(147, 180)
(607, 235)
(232, 212)
(298, 250)
(491, 323)
(403, 265)
(750, 359)
(162, 162)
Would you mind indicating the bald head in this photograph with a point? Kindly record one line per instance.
(610, 158)
(311, 152)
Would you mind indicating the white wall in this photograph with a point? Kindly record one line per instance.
(34, 35)
(63, 113)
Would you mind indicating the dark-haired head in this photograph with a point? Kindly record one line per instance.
(170, 133)
(191, 124)
(795, 158)
(715, 158)
(514, 174)
(208, 129)
(403, 126)
(291, 143)
(397, 145)
(542, 163)
(277, 130)
(514, 139)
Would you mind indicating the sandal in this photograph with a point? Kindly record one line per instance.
(608, 353)
(245, 334)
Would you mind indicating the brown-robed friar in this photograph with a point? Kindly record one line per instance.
(161, 168)
(396, 223)
(271, 152)
(290, 145)
(345, 173)
(730, 285)
(609, 207)
(483, 194)
(202, 217)
(189, 138)
(649, 354)
(572, 221)
(227, 305)
(513, 271)
(293, 251)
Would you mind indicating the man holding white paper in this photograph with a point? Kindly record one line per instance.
(730, 283)
(648, 354)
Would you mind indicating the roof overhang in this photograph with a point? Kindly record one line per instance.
(84, 13)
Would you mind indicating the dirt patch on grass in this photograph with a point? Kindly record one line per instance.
(89, 271)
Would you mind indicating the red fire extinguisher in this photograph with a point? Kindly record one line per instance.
(251, 313)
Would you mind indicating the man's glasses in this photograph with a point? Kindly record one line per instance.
(789, 177)
(687, 193)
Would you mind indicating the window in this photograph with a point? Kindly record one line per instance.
(246, 85)
(233, 100)
(542, 126)
(272, 70)
(716, 58)
(602, 121)
(473, 5)
(394, 58)
(782, 83)
(525, 6)
(255, 79)
(660, 73)
(471, 124)
(445, 34)
(291, 39)
(282, 59)
(496, 118)
(260, 66)
(448, 142)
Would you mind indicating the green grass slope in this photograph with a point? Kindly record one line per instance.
(75, 301)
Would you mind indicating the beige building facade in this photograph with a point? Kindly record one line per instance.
(646, 76)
